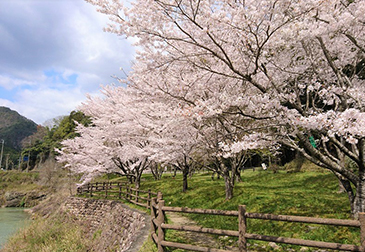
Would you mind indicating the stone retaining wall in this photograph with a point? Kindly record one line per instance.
(116, 225)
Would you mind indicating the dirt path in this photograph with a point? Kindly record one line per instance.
(199, 239)
(223, 242)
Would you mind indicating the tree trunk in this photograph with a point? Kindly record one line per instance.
(238, 176)
(228, 187)
(137, 183)
(185, 179)
(341, 188)
(156, 171)
(346, 185)
(358, 205)
(341, 185)
(229, 178)
(299, 161)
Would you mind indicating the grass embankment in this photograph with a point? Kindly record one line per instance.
(53, 234)
(312, 194)
(20, 181)
(33, 186)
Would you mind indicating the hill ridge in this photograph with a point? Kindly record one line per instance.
(14, 128)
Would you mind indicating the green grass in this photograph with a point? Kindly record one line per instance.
(312, 194)
(20, 181)
(307, 193)
(48, 235)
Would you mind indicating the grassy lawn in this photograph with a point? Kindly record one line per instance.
(311, 193)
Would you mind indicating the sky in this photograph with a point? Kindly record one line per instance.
(53, 53)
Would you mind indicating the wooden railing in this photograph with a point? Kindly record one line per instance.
(117, 190)
(159, 225)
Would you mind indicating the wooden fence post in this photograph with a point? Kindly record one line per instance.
(362, 230)
(91, 189)
(160, 220)
(149, 198)
(137, 194)
(126, 192)
(242, 245)
(130, 193)
(159, 196)
(106, 189)
(120, 190)
(153, 216)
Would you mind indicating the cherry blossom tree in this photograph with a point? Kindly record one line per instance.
(174, 138)
(116, 141)
(175, 145)
(190, 131)
(225, 148)
(294, 67)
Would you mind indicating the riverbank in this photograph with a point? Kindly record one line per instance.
(21, 189)
(42, 190)
(78, 225)
(50, 229)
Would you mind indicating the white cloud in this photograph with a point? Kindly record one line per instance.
(9, 83)
(64, 36)
(47, 103)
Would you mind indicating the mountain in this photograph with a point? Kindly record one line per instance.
(14, 128)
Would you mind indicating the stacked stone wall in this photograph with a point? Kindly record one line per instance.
(114, 225)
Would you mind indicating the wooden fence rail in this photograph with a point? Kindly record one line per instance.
(117, 190)
(158, 211)
(154, 201)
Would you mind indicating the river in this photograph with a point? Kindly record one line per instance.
(11, 219)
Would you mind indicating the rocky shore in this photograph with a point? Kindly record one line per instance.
(21, 199)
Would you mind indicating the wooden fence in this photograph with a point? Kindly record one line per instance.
(117, 190)
(159, 223)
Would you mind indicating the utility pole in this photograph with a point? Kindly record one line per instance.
(30, 144)
(7, 162)
(28, 161)
(2, 151)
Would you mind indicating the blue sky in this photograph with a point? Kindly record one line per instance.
(53, 53)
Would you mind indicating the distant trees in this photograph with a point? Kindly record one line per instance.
(42, 144)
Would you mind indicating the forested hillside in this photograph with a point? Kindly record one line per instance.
(14, 128)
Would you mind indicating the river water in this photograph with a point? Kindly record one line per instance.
(11, 219)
